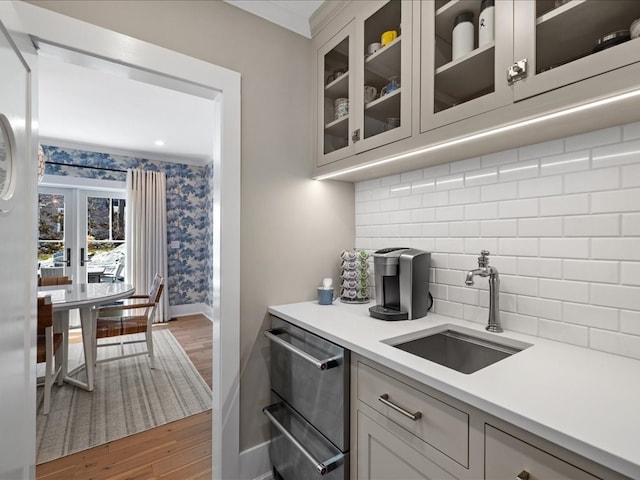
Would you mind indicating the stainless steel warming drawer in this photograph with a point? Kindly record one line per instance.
(310, 409)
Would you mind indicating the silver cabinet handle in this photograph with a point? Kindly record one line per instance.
(321, 467)
(523, 475)
(324, 364)
(384, 398)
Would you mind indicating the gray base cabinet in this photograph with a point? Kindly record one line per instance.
(401, 429)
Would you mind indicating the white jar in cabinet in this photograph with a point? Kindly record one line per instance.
(374, 51)
(564, 42)
(452, 88)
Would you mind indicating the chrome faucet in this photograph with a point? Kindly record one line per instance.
(485, 270)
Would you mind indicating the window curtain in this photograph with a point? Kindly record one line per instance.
(146, 234)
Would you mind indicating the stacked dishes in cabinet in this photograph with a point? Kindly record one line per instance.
(309, 411)
(354, 276)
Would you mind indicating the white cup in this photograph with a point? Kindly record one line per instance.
(370, 93)
(373, 48)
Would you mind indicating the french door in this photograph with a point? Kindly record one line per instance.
(81, 234)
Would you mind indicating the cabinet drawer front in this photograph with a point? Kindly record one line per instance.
(506, 457)
(442, 426)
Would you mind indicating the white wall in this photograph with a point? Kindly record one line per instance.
(561, 220)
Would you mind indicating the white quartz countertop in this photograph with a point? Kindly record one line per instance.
(584, 400)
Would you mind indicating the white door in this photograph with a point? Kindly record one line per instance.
(17, 265)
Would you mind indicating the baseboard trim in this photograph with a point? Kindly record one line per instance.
(255, 464)
(176, 311)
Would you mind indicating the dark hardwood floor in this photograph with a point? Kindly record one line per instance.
(179, 450)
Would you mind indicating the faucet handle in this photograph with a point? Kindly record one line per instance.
(483, 261)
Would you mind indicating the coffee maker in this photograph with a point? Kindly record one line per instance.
(402, 284)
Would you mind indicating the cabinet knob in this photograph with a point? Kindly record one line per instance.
(523, 475)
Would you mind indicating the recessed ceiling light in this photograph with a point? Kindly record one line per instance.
(159, 143)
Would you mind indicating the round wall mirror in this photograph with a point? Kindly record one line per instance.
(7, 166)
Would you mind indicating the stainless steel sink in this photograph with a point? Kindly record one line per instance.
(464, 352)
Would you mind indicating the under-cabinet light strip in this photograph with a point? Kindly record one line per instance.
(495, 131)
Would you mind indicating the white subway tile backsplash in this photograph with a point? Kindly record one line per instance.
(444, 214)
(499, 228)
(567, 162)
(518, 208)
(499, 191)
(481, 177)
(437, 199)
(465, 165)
(521, 247)
(541, 149)
(592, 180)
(617, 296)
(631, 176)
(464, 229)
(411, 176)
(540, 187)
(561, 220)
(613, 248)
(450, 182)
(464, 195)
(540, 227)
(463, 295)
(630, 322)
(618, 343)
(499, 158)
(423, 215)
(617, 154)
(593, 139)
(615, 201)
(630, 273)
(564, 247)
(518, 171)
(519, 285)
(564, 290)
(564, 205)
(540, 267)
(481, 211)
(450, 245)
(591, 271)
(539, 307)
(451, 309)
(564, 332)
(631, 131)
(590, 315)
(436, 171)
(436, 229)
(592, 226)
(519, 323)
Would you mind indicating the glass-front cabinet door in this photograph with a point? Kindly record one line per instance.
(565, 41)
(466, 49)
(365, 81)
(336, 92)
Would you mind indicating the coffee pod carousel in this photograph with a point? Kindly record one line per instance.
(354, 276)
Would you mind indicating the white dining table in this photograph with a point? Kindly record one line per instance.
(85, 297)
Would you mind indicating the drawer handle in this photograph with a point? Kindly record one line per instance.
(321, 467)
(524, 475)
(384, 398)
(324, 364)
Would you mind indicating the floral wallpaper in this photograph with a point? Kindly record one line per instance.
(189, 218)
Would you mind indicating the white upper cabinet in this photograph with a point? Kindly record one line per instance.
(459, 86)
(565, 41)
(364, 78)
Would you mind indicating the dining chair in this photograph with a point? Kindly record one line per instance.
(49, 348)
(47, 281)
(130, 316)
(112, 273)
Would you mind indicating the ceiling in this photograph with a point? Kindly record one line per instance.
(113, 109)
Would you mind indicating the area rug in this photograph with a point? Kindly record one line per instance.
(128, 398)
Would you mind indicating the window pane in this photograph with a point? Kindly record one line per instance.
(51, 222)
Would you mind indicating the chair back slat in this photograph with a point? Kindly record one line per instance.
(45, 313)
